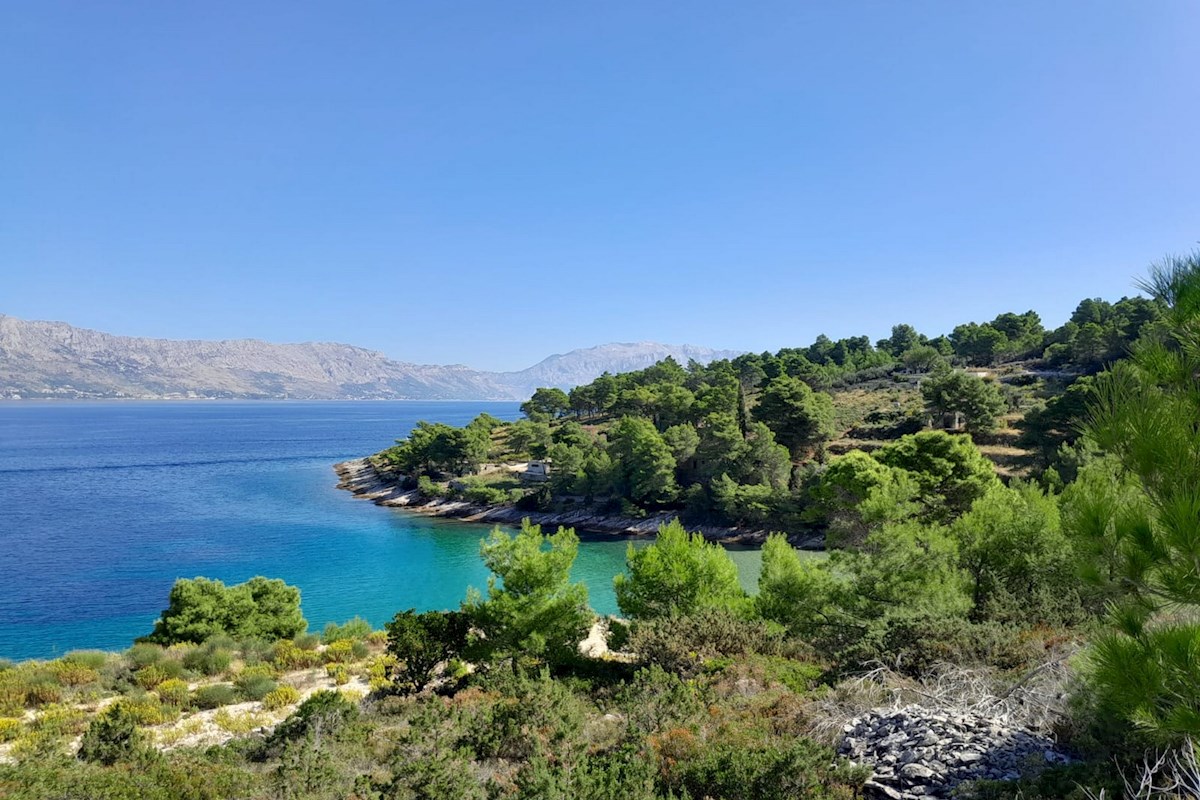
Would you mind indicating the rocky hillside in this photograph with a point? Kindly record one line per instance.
(56, 360)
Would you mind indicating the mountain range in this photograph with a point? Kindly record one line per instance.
(41, 360)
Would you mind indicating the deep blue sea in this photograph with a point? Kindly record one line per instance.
(104, 505)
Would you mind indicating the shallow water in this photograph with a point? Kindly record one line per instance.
(104, 505)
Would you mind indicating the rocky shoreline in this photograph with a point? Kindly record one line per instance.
(361, 478)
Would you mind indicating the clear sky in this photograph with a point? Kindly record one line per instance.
(488, 183)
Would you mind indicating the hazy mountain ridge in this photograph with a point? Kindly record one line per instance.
(57, 360)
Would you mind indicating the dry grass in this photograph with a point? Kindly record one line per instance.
(1035, 700)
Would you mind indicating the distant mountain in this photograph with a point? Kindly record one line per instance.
(583, 366)
(56, 360)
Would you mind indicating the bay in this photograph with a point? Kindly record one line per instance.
(104, 505)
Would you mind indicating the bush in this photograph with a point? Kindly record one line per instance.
(280, 697)
(428, 489)
(288, 656)
(208, 659)
(70, 673)
(255, 687)
(679, 574)
(149, 710)
(214, 696)
(42, 689)
(756, 771)
(143, 655)
(683, 644)
(419, 642)
(149, 677)
(339, 652)
(339, 673)
(10, 729)
(325, 710)
(307, 641)
(90, 659)
(354, 630)
(200, 608)
(173, 692)
(111, 737)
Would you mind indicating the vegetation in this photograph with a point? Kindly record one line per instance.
(200, 609)
(1084, 554)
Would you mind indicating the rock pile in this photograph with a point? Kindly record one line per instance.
(919, 752)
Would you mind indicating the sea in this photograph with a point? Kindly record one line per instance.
(103, 505)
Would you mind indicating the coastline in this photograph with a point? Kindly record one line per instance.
(359, 477)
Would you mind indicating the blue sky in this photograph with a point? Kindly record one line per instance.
(487, 183)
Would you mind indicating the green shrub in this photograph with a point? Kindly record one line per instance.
(143, 655)
(42, 689)
(111, 737)
(70, 673)
(429, 489)
(255, 651)
(173, 692)
(214, 696)
(755, 770)
(419, 642)
(90, 659)
(280, 696)
(149, 677)
(356, 629)
(327, 710)
(485, 495)
(149, 710)
(200, 609)
(340, 652)
(255, 688)
(683, 644)
(307, 641)
(208, 659)
(288, 657)
(339, 673)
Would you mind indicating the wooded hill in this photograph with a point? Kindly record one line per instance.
(746, 441)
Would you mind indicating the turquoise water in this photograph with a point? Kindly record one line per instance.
(104, 505)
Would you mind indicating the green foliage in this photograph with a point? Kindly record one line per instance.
(684, 644)
(957, 393)
(546, 404)
(211, 658)
(532, 610)
(422, 641)
(215, 695)
(436, 447)
(949, 471)
(799, 417)
(111, 737)
(678, 574)
(201, 608)
(856, 493)
(323, 713)
(752, 770)
(645, 465)
(255, 683)
(1020, 563)
(528, 438)
(356, 629)
(1146, 415)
